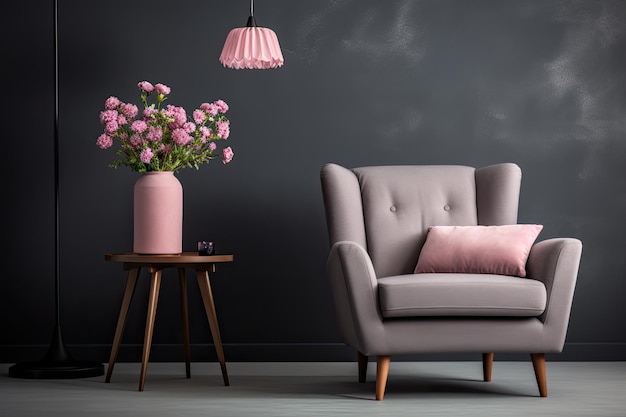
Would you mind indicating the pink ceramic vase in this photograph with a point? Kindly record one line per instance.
(158, 214)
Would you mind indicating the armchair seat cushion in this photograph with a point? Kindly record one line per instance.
(448, 294)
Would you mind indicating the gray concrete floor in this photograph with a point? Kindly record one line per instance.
(324, 389)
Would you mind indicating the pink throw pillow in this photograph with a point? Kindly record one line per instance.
(501, 250)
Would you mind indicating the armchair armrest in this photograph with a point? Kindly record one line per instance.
(555, 262)
(355, 294)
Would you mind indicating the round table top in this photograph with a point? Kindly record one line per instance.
(182, 258)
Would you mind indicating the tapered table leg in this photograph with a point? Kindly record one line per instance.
(185, 313)
(155, 285)
(207, 297)
(131, 284)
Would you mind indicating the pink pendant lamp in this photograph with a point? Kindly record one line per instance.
(252, 47)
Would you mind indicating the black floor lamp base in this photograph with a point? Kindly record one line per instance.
(56, 364)
(56, 370)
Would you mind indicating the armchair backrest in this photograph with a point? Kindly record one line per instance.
(388, 209)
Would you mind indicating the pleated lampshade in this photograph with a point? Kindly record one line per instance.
(252, 47)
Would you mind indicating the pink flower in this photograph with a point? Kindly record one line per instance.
(147, 113)
(129, 110)
(111, 103)
(136, 141)
(146, 155)
(162, 89)
(154, 134)
(228, 155)
(178, 113)
(104, 141)
(189, 127)
(181, 137)
(212, 109)
(222, 106)
(199, 116)
(205, 131)
(145, 86)
(223, 129)
(108, 116)
(121, 119)
(111, 127)
(212, 146)
(138, 126)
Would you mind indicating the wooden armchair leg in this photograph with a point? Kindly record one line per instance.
(539, 364)
(362, 362)
(487, 366)
(382, 370)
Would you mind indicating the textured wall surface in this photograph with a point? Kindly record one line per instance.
(540, 83)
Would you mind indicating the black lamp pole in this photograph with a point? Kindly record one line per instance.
(58, 363)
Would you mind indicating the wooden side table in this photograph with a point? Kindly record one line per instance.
(133, 263)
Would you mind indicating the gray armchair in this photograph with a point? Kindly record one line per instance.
(378, 220)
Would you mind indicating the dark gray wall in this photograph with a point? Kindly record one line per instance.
(540, 83)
